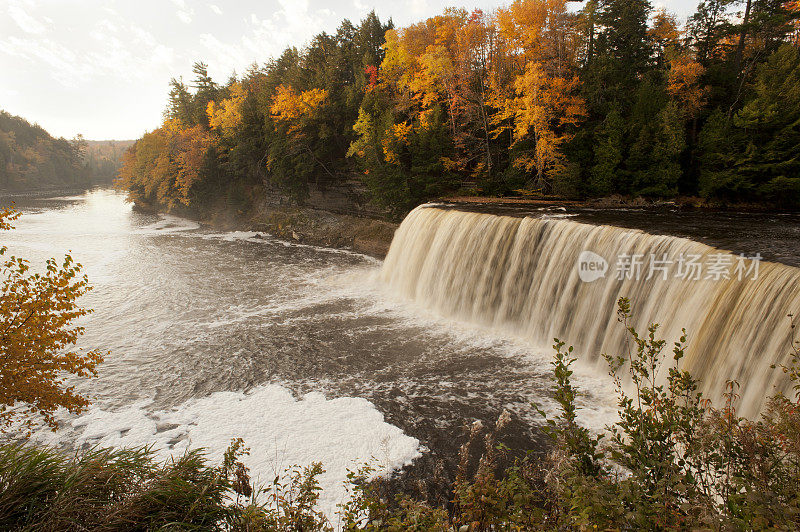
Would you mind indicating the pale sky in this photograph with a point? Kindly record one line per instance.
(102, 67)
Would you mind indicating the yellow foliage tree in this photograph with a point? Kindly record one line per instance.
(442, 64)
(539, 52)
(288, 105)
(543, 107)
(399, 136)
(226, 115)
(37, 315)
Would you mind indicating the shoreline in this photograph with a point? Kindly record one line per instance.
(303, 225)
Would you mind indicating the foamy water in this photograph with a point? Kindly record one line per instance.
(281, 431)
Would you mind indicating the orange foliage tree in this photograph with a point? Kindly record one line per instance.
(37, 315)
(163, 166)
(683, 83)
(540, 49)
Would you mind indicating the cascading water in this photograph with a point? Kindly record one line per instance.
(521, 275)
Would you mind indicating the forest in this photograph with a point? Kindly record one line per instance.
(542, 98)
(30, 158)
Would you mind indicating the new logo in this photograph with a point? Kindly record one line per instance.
(591, 266)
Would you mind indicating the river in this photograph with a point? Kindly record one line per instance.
(301, 351)
(315, 354)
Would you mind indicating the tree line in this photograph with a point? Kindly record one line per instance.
(31, 158)
(536, 97)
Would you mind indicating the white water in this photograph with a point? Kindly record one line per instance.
(280, 431)
(520, 275)
(194, 322)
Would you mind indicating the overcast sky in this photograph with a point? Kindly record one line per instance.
(102, 67)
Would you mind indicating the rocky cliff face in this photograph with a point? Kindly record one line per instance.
(347, 197)
(334, 214)
(324, 228)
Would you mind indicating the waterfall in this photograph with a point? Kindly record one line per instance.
(521, 276)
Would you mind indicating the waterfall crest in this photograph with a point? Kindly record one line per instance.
(521, 275)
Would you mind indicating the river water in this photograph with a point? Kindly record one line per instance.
(314, 354)
(299, 350)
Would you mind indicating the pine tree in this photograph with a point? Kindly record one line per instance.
(625, 40)
(180, 104)
(771, 121)
(608, 155)
(661, 179)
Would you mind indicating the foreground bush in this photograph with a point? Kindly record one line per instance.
(671, 462)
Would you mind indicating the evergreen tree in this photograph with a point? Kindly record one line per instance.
(180, 103)
(625, 41)
(718, 144)
(608, 156)
(625, 36)
(771, 125)
(662, 176)
(206, 90)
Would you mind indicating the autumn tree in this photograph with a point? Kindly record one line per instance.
(544, 109)
(31, 158)
(664, 33)
(545, 105)
(293, 160)
(164, 166)
(37, 318)
(684, 83)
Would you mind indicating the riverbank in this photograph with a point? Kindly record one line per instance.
(322, 228)
(8, 196)
(303, 225)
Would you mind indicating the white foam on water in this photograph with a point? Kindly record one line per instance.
(232, 236)
(557, 216)
(280, 431)
(167, 224)
(266, 238)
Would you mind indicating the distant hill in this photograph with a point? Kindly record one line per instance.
(104, 157)
(30, 158)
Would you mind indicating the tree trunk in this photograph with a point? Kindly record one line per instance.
(742, 35)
